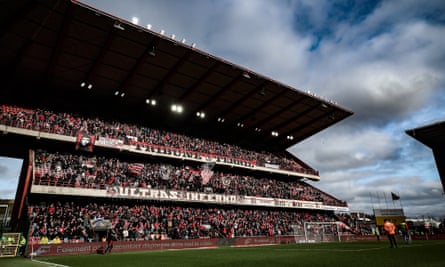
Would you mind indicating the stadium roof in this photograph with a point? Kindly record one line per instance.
(433, 136)
(65, 55)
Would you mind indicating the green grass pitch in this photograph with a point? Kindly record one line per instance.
(354, 254)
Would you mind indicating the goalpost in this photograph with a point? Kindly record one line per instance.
(316, 232)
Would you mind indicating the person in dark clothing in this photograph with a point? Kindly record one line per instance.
(110, 240)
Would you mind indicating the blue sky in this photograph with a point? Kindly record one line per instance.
(384, 60)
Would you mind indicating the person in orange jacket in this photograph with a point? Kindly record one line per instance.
(390, 230)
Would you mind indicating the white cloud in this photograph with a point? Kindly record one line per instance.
(9, 175)
(347, 149)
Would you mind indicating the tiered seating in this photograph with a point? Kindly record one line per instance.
(57, 169)
(70, 221)
(71, 125)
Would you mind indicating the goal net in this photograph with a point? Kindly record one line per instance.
(315, 232)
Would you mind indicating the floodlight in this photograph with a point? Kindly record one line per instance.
(150, 101)
(118, 26)
(200, 115)
(176, 108)
(152, 52)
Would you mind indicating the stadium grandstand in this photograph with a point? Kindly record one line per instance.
(129, 134)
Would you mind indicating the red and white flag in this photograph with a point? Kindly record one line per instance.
(136, 168)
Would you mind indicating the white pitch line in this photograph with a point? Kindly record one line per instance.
(50, 263)
(363, 249)
(336, 250)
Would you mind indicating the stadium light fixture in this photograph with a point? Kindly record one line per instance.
(116, 93)
(90, 86)
(183, 40)
(193, 45)
(240, 124)
(290, 137)
(173, 36)
(221, 120)
(135, 20)
(122, 94)
(274, 133)
(118, 26)
(176, 108)
(246, 75)
(150, 101)
(152, 52)
(257, 129)
(162, 32)
(262, 92)
(149, 26)
(200, 115)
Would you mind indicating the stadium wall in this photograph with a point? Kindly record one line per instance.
(65, 249)
(126, 246)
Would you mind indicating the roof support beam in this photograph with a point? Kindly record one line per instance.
(56, 51)
(141, 60)
(159, 87)
(199, 81)
(241, 100)
(89, 75)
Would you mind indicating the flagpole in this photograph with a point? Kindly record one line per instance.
(400, 199)
(378, 199)
(372, 201)
(386, 201)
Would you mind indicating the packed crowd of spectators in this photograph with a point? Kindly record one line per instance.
(70, 125)
(72, 222)
(86, 171)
